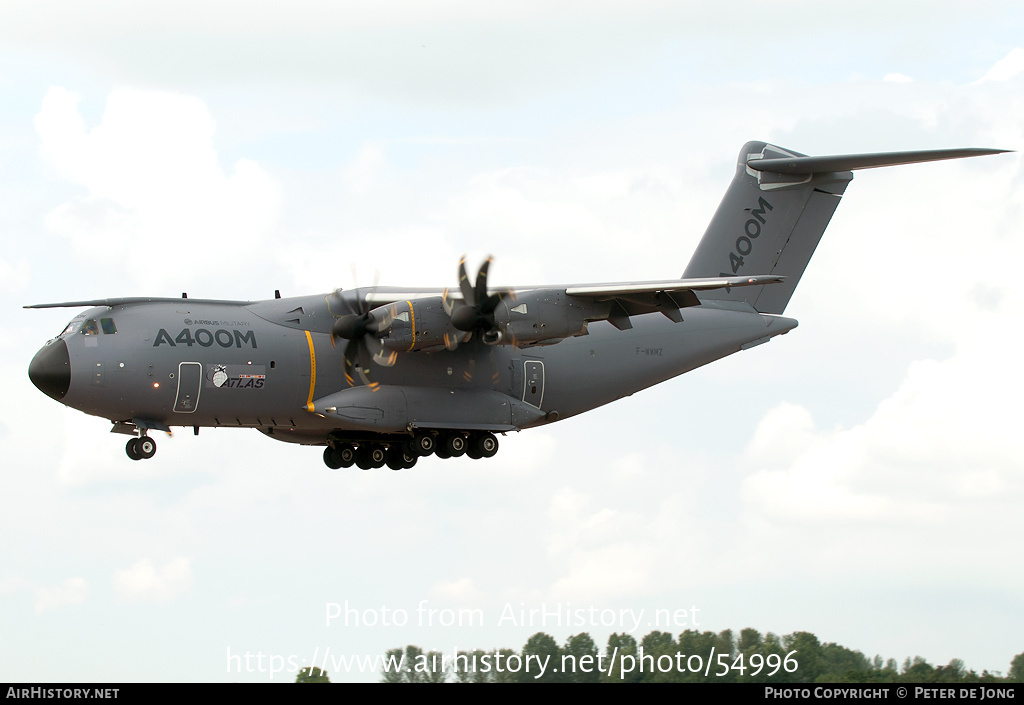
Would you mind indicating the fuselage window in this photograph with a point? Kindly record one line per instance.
(90, 327)
(108, 326)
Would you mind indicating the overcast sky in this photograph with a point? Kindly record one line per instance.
(860, 478)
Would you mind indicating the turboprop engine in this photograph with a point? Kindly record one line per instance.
(541, 317)
(420, 324)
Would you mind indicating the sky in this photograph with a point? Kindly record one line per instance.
(860, 478)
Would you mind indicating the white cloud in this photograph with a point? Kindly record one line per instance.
(460, 591)
(71, 592)
(1006, 68)
(13, 584)
(14, 277)
(945, 441)
(144, 581)
(897, 78)
(157, 200)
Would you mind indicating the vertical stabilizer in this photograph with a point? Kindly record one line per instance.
(775, 211)
(768, 223)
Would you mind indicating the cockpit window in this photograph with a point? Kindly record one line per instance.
(90, 327)
(70, 327)
(108, 326)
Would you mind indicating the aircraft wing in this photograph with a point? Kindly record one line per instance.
(547, 314)
(617, 302)
(603, 292)
(596, 292)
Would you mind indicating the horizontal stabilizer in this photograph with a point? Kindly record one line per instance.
(850, 162)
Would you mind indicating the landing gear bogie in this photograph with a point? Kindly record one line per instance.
(370, 456)
(141, 448)
(482, 445)
(401, 457)
(454, 444)
(340, 456)
(423, 444)
(399, 454)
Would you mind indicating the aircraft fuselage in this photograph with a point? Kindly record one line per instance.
(266, 365)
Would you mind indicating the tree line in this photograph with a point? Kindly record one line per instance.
(693, 657)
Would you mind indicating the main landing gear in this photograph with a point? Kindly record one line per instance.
(401, 455)
(141, 448)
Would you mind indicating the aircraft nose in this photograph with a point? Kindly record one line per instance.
(50, 370)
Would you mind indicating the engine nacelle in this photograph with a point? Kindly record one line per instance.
(421, 324)
(541, 317)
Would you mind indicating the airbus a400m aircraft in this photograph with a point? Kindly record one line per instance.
(384, 375)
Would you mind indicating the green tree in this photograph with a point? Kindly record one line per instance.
(435, 669)
(916, 671)
(841, 665)
(499, 669)
(755, 660)
(470, 667)
(312, 675)
(953, 672)
(808, 655)
(1016, 674)
(696, 648)
(749, 639)
(580, 657)
(650, 664)
(619, 646)
(393, 663)
(414, 666)
(725, 645)
(541, 650)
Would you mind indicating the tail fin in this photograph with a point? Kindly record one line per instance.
(774, 213)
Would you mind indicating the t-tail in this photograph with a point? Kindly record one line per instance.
(774, 213)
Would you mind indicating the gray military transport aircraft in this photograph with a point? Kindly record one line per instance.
(441, 372)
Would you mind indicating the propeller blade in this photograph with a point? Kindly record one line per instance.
(481, 283)
(477, 311)
(352, 367)
(464, 286)
(385, 358)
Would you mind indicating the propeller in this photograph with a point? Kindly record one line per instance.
(476, 314)
(360, 327)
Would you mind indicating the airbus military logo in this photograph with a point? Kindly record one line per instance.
(220, 375)
(236, 376)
